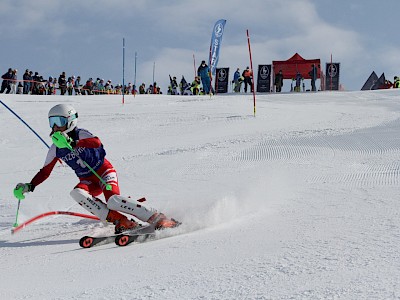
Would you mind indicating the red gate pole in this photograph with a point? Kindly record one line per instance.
(252, 82)
(51, 213)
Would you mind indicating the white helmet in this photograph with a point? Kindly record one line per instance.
(63, 114)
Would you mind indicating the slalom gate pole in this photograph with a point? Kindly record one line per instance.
(24, 123)
(51, 213)
(252, 81)
(123, 71)
(194, 65)
(209, 66)
(134, 80)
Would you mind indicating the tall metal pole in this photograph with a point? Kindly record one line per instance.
(134, 79)
(252, 81)
(331, 72)
(194, 65)
(154, 70)
(123, 71)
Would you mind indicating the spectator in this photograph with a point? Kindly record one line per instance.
(55, 86)
(134, 91)
(5, 85)
(50, 86)
(70, 85)
(128, 89)
(77, 85)
(100, 87)
(108, 87)
(27, 82)
(173, 88)
(13, 82)
(279, 81)
(313, 75)
(236, 83)
(42, 86)
(62, 83)
(248, 76)
(150, 89)
(142, 89)
(195, 88)
(203, 72)
(396, 83)
(88, 87)
(20, 88)
(298, 80)
(155, 88)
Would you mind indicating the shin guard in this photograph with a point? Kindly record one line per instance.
(91, 204)
(130, 206)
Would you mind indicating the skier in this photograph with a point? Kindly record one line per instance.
(89, 151)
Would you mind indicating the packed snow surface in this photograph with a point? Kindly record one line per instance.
(300, 201)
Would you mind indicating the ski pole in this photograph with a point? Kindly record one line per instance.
(16, 215)
(61, 142)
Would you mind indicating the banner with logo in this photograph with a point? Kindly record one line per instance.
(264, 79)
(221, 80)
(216, 40)
(332, 76)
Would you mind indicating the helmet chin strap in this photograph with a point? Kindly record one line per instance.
(68, 129)
(65, 131)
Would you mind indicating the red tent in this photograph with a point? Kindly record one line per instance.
(296, 64)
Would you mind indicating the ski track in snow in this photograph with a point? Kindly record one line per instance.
(360, 146)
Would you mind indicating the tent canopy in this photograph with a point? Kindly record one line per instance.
(296, 64)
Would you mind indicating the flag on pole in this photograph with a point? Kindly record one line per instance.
(216, 40)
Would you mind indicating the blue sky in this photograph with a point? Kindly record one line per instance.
(85, 37)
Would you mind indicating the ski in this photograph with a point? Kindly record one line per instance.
(139, 235)
(135, 234)
(91, 241)
(126, 239)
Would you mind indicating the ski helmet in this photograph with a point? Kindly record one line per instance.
(63, 114)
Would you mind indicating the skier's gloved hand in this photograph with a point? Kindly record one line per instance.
(62, 140)
(23, 188)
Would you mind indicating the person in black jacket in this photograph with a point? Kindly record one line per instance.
(27, 82)
(313, 75)
(5, 85)
(279, 81)
(62, 83)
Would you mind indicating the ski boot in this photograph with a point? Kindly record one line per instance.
(160, 221)
(121, 222)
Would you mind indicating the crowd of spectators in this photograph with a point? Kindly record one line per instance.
(35, 84)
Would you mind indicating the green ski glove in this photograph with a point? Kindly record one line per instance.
(23, 188)
(62, 140)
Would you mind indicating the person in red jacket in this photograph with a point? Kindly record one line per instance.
(248, 76)
(88, 151)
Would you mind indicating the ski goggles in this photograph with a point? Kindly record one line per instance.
(60, 121)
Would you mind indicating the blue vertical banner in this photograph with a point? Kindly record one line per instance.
(216, 40)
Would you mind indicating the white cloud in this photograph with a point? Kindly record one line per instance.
(170, 32)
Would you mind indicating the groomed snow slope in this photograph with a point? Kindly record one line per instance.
(299, 202)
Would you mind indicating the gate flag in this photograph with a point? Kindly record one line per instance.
(216, 40)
